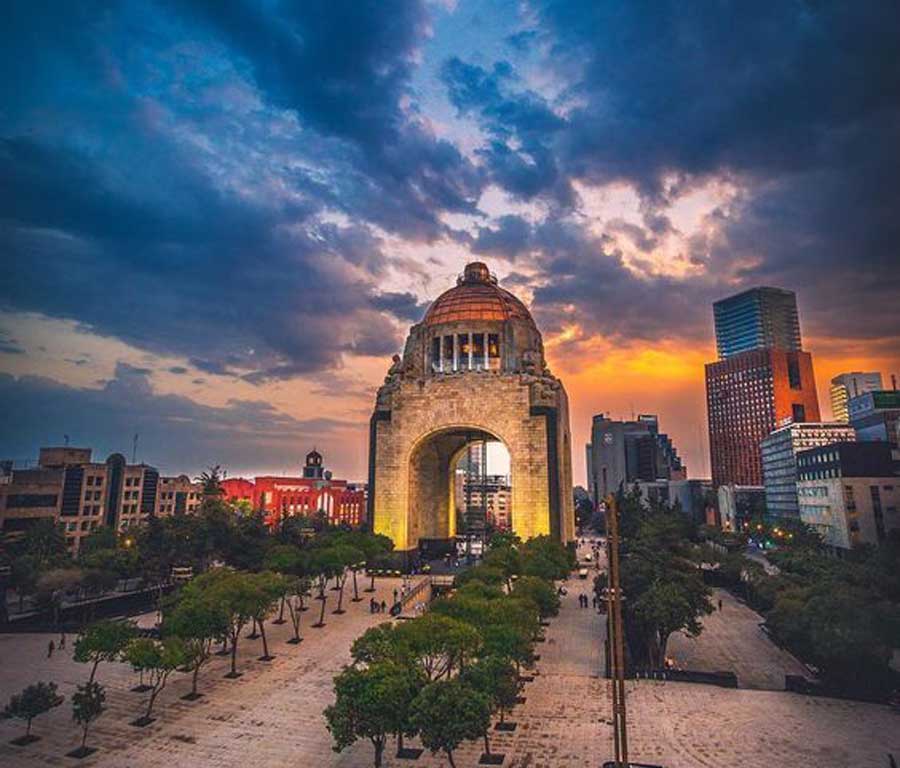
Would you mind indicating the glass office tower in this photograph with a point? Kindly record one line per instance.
(761, 318)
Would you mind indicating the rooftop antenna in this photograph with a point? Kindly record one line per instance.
(134, 443)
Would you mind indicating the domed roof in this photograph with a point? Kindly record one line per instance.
(476, 297)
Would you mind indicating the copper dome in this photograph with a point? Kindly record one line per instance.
(476, 297)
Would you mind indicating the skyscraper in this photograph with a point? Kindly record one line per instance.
(761, 318)
(847, 385)
(762, 381)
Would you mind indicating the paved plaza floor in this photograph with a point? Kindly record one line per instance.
(272, 716)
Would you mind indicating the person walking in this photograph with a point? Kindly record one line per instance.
(383, 606)
(50, 648)
(720, 603)
(62, 640)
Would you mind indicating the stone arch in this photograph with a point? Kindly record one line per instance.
(431, 462)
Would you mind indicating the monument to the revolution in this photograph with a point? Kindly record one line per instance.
(472, 370)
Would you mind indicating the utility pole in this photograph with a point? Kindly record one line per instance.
(616, 641)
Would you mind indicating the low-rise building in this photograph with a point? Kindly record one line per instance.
(315, 492)
(694, 497)
(849, 492)
(779, 463)
(82, 495)
(847, 385)
(876, 415)
(739, 504)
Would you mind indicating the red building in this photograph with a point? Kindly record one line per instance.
(313, 493)
(749, 395)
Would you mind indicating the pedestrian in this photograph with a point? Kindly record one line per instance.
(893, 762)
(50, 648)
(383, 606)
(62, 640)
(395, 594)
(720, 603)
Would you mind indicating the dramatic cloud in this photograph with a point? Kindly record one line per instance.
(242, 196)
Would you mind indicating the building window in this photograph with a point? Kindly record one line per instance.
(449, 362)
(798, 412)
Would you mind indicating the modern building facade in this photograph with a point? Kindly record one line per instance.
(491, 493)
(760, 318)
(779, 460)
(315, 492)
(847, 385)
(624, 452)
(850, 492)
(876, 415)
(82, 495)
(748, 395)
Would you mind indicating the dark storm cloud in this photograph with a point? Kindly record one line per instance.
(174, 430)
(797, 102)
(403, 305)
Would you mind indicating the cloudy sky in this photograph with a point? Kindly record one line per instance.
(217, 219)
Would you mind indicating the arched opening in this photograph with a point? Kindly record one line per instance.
(459, 489)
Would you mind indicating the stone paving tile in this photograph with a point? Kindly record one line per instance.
(732, 640)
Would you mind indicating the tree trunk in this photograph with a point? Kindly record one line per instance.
(281, 611)
(339, 608)
(322, 614)
(28, 727)
(194, 679)
(94, 671)
(487, 744)
(234, 653)
(262, 632)
(379, 751)
(450, 758)
(84, 735)
(399, 743)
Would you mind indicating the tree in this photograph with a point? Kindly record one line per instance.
(540, 592)
(267, 589)
(52, 587)
(288, 560)
(211, 480)
(496, 679)
(380, 644)
(237, 595)
(157, 659)
(347, 557)
(46, 543)
(32, 701)
(103, 641)
(87, 706)
(448, 712)
(438, 644)
(324, 565)
(199, 621)
(371, 703)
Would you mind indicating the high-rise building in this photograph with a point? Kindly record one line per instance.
(779, 460)
(760, 318)
(847, 385)
(749, 395)
(850, 492)
(624, 452)
(876, 416)
(762, 380)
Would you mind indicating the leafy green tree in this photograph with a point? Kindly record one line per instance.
(103, 641)
(157, 660)
(53, 586)
(497, 680)
(370, 703)
(324, 565)
(87, 706)
(438, 644)
(446, 713)
(506, 559)
(238, 596)
(268, 589)
(45, 542)
(24, 577)
(211, 480)
(199, 620)
(540, 592)
(33, 701)
(382, 643)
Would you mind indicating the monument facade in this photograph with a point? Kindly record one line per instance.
(473, 369)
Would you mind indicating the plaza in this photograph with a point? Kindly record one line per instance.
(272, 715)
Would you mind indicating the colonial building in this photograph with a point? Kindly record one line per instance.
(472, 370)
(314, 492)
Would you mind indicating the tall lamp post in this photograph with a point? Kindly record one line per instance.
(617, 635)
